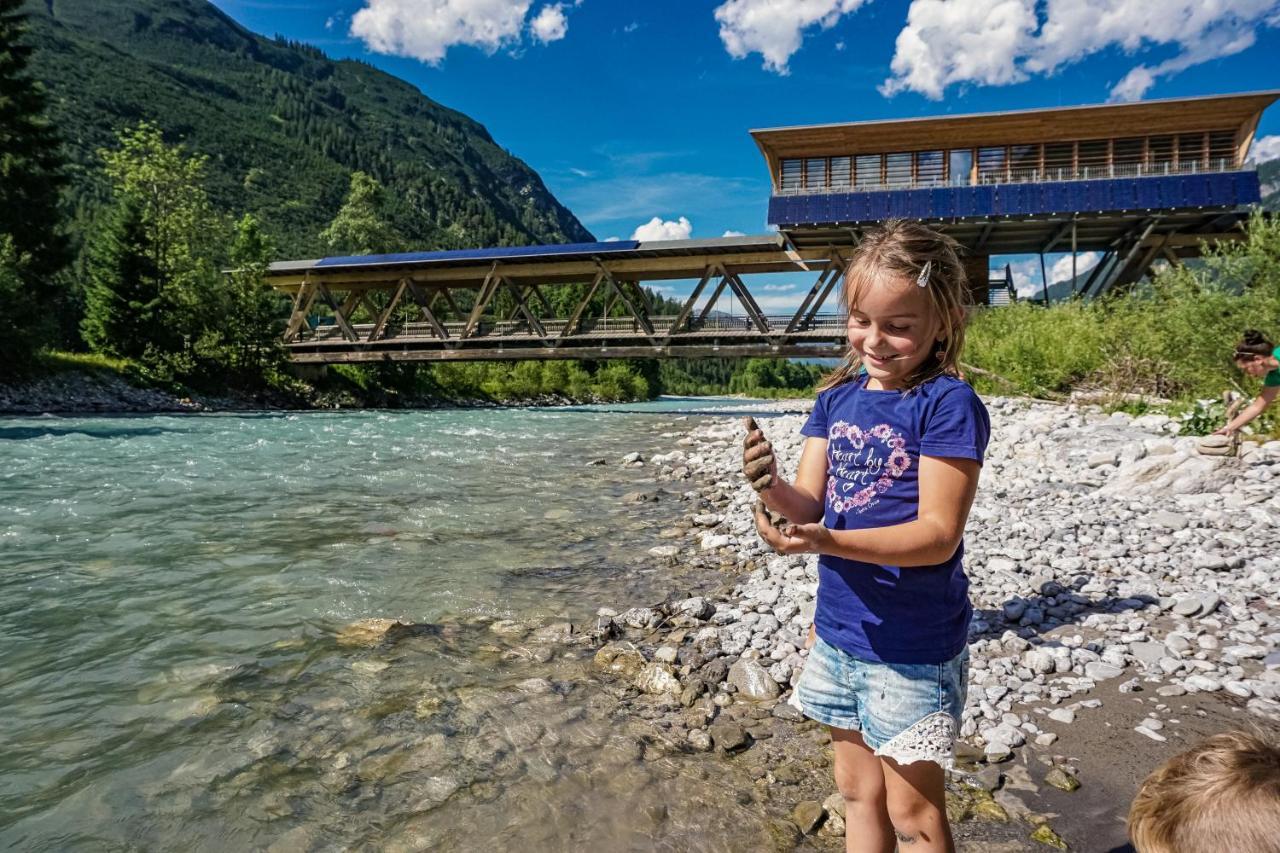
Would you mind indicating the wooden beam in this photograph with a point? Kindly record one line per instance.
(571, 327)
(341, 319)
(689, 303)
(836, 267)
(487, 290)
(626, 301)
(302, 301)
(524, 308)
(749, 303)
(424, 303)
(381, 322)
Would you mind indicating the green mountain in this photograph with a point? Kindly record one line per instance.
(283, 126)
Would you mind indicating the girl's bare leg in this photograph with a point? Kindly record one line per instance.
(861, 782)
(916, 800)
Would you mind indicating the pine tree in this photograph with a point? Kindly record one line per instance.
(124, 297)
(361, 226)
(254, 312)
(30, 182)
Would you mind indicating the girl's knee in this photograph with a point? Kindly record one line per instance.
(914, 814)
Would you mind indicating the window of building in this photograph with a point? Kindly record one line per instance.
(1222, 149)
(1126, 154)
(1059, 161)
(867, 170)
(792, 175)
(1093, 158)
(1190, 151)
(841, 171)
(1024, 162)
(897, 169)
(992, 165)
(960, 165)
(815, 173)
(928, 168)
(1160, 153)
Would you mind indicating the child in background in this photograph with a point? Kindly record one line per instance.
(886, 478)
(1223, 794)
(1258, 357)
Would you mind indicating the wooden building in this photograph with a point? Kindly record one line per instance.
(1136, 181)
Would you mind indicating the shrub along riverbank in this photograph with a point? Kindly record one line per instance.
(1169, 339)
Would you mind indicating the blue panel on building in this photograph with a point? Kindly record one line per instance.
(1224, 190)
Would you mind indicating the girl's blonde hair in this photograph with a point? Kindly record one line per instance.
(900, 249)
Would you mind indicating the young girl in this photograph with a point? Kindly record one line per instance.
(1258, 357)
(886, 478)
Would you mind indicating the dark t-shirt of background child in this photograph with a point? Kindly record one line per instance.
(917, 614)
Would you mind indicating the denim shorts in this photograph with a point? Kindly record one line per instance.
(905, 711)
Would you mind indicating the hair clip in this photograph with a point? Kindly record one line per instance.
(923, 279)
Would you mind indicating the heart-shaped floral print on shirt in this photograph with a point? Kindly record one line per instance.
(898, 461)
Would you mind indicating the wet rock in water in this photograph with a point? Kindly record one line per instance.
(665, 551)
(694, 688)
(366, 632)
(1045, 835)
(657, 678)
(632, 458)
(536, 686)
(700, 740)
(782, 835)
(556, 632)
(508, 627)
(752, 681)
(808, 816)
(619, 659)
(729, 736)
(1061, 779)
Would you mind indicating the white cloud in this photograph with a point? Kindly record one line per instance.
(550, 24)
(997, 42)
(612, 239)
(732, 233)
(426, 29)
(1026, 273)
(775, 28)
(778, 288)
(657, 229)
(1265, 148)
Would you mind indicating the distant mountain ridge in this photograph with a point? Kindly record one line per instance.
(283, 125)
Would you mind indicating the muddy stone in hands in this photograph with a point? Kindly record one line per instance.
(757, 458)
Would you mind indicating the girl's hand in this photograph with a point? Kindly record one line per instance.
(1226, 430)
(791, 538)
(758, 464)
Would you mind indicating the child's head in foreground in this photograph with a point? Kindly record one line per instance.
(1221, 795)
(905, 290)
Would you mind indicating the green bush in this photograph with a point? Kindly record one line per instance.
(1170, 338)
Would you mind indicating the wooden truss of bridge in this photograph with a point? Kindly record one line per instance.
(444, 306)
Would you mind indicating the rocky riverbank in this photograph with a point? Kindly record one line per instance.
(1122, 586)
(102, 392)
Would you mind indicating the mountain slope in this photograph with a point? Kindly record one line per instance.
(283, 126)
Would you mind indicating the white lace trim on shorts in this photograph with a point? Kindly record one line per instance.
(931, 739)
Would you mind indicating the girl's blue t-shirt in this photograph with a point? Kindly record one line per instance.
(917, 614)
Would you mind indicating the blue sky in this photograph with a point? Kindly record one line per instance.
(632, 111)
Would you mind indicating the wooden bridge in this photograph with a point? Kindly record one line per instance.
(494, 303)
